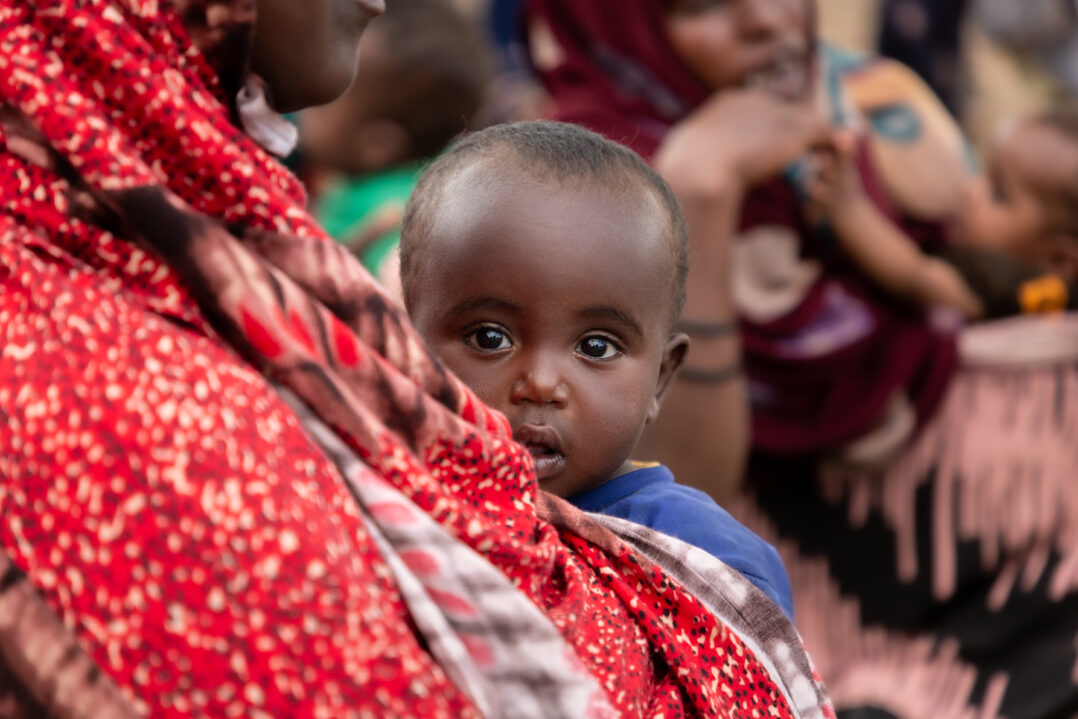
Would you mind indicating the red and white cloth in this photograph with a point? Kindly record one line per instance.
(233, 481)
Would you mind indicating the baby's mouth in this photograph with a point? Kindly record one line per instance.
(545, 447)
(548, 461)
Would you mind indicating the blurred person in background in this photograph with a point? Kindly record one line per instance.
(516, 94)
(1014, 242)
(422, 79)
(916, 477)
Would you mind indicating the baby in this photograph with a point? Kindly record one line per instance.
(1016, 234)
(546, 266)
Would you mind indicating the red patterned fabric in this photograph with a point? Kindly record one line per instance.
(157, 266)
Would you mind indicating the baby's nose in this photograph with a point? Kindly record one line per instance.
(541, 382)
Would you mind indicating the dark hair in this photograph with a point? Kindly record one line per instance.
(545, 150)
(436, 68)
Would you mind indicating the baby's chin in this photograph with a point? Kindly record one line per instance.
(564, 485)
(554, 488)
(548, 466)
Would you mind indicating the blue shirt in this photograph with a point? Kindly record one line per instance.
(650, 496)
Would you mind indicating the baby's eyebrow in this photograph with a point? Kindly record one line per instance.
(605, 312)
(472, 304)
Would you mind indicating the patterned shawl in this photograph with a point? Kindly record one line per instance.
(233, 481)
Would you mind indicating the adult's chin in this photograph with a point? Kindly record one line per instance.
(300, 82)
(297, 91)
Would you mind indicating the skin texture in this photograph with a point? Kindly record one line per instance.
(723, 43)
(1014, 208)
(553, 300)
(306, 50)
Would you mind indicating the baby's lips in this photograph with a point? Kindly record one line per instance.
(535, 436)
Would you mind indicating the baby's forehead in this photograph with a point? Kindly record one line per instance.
(507, 165)
(550, 224)
(609, 214)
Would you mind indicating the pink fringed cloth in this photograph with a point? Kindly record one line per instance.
(945, 584)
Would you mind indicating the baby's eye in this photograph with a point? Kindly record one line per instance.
(489, 339)
(598, 347)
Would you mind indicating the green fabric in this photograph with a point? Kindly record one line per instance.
(349, 203)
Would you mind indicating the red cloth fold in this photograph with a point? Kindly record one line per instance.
(156, 267)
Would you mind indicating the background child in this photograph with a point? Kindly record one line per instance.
(1017, 230)
(422, 79)
(546, 266)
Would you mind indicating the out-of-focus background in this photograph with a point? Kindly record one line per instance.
(994, 81)
(988, 60)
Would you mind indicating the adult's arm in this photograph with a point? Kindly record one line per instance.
(735, 140)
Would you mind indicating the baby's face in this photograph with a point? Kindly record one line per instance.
(554, 304)
(1010, 208)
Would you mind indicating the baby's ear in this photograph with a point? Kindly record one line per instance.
(673, 358)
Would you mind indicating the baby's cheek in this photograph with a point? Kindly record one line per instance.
(486, 385)
(626, 414)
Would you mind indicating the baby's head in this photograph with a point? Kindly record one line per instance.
(1027, 204)
(546, 266)
(423, 73)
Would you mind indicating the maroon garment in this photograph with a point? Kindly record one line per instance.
(822, 374)
(620, 76)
